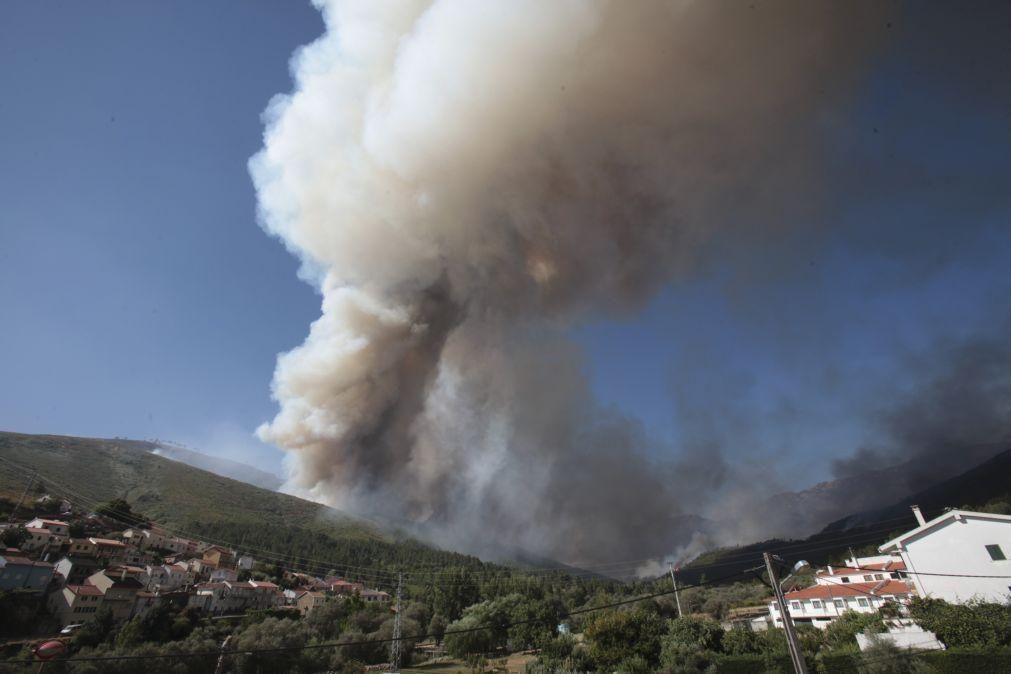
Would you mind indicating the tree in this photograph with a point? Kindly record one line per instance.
(742, 642)
(964, 625)
(688, 637)
(883, 657)
(458, 591)
(536, 623)
(14, 537)
(157, 625)
(437, 627)
(121, 511)
(613, 637)
(96, 630)
(843, 630)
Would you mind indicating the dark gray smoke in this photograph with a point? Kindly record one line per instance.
(465, 181)
(954, 412)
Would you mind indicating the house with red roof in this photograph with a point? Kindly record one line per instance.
(862, 585)
(75, 603)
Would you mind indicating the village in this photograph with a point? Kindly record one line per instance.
(132, 570)
(959, 556)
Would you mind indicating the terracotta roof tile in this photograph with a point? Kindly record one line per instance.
(890, 587)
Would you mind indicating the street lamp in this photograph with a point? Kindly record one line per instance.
(799, 666)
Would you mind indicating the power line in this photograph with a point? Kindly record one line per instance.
(373, 642)
(584, 571)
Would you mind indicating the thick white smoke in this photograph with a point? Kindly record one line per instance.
(463, 180)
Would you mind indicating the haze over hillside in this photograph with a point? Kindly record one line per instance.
(236, 470)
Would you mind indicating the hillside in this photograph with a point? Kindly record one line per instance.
(987, 487)
(224, 467)
(987, 484)
(194, 501)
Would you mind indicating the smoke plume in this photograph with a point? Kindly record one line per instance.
(464, 181)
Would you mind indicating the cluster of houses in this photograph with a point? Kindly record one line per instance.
(144, 567)
(959, 556)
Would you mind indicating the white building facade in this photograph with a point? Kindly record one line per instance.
(863, 585)
(959, 556)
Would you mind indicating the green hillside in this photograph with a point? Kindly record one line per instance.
(196, 502)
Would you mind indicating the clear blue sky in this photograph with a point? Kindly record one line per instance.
(139, 297)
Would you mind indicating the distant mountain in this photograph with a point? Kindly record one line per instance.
(986, 485)
(989, 481)
(224, 467)
(810, 510)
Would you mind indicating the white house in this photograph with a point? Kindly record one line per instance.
(819, 604)
(223, 575)
(958, 556)
(58, 527)
(176, 576)
(42, 539)
(863, 585)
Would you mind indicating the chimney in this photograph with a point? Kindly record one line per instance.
(919, 516)
(122, 576)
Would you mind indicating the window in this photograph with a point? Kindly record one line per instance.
(846, 579)
(839, 603)
(862, 602)
(996, 554)
(816, 603)
(795, 605)
(879, 576)
(868, 578)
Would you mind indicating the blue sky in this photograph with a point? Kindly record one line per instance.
(140, 298)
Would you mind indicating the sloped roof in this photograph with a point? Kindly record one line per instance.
(878, 589)
(868, 568)
(938, 522)
(85, 590)
(108, 541)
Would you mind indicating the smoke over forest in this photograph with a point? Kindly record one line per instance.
(466, 182)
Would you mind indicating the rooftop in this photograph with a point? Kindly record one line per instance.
(21, 560)
(937, 522)
(108, 541)
(866, 568)
(878, 589)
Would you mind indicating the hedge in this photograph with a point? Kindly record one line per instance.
(959, 661)
(749, 664)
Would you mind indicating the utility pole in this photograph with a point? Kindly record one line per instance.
(221, 658)
(799, 666)
(677, 599)
(21, 500)
(395, 649)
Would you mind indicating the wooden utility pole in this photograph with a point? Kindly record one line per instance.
(796, 655)
(677, 599)
(221, 658)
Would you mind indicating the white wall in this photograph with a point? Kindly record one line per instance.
(959, 547)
